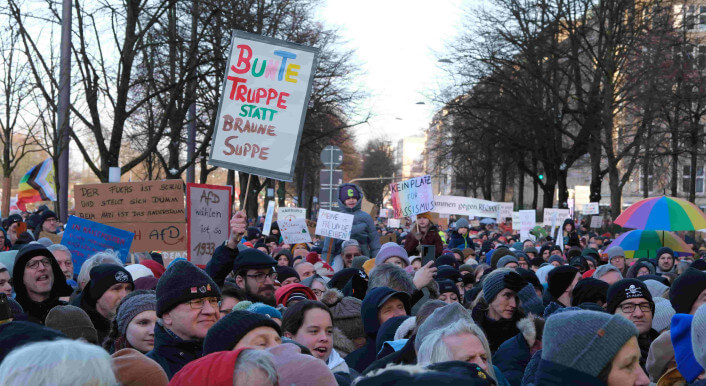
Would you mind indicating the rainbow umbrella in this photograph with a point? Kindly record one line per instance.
(662, 214)
(639, 243)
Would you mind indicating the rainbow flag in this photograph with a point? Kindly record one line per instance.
(37, 185)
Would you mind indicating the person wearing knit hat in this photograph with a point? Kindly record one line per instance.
(508, 261)
(292, 293)
(100, 298)
(242, 329)
(498, 254)
(448, 292)
(392, 253)
(459, 237)
(590, 346)
(589, 290)
(688, 292)
(616, 257)
(133, 326)
(73, 322)
(244, 366)
(423, 232)
(657, 289)
(561, 282)
(698, 335)
(666, 262)
(687, 365)
(48, 222)
(138, 270)
(346, 317)
(286, 275)
(255, 273)
(154, 266)
(608, 273)
(295, 368)
(447, 259)
(132, 368)
(349, 250)
(264, 309)
(556, 260)
(663, 314)
(283, 257)
(187, 307)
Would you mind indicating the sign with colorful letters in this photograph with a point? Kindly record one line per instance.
(412, 197)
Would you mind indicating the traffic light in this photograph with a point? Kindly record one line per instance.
(541, 176)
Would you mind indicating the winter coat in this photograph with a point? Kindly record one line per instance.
(221, 263)
(497, 331)
(37, 311)
(171, 352)
(431, 237)
(531, 369)
(514, 354)
(405, 356)
(363, 229)
(101, 324)
(550, 374)
(459, 241)
(645, 341)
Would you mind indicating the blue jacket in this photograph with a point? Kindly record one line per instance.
(173, 353)
(531, 369)
(512, 358)
(458, 241)
(363, 229)
(553, 374)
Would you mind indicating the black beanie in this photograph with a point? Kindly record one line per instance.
(560, 278)
(253, 233)
(448, 286)
(284, 273)
(227, 332)
(589, 290)
(447, 259)
(625, 289)
(103, 276)
(686, 289)
(182, 282)
(446, 272)
(252, 258)
(47, 214)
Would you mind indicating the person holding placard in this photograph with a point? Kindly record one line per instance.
(424, 232)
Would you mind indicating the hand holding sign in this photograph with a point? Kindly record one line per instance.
(238, 224)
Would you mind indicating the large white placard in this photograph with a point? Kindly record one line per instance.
(561, 215)
(505, 211)
(285, 213)
(393, 223)
(294, 231)
(268, 218)
(596, 221)
(333, 224)
(208, 220)
(465, 206)
(263, 104)
(590, 208)
(528, 219)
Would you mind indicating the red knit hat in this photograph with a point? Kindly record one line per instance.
(284, 293)
(214, 369)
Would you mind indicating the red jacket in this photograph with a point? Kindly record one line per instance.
(430, 238)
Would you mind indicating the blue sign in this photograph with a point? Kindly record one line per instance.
(84, 238)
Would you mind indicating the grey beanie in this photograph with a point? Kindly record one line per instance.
(350, 243)
(133, 306)
(440, 318)
(506, 259)
(615, 252)
(662, 318)
(585, 341)
(698, 335)
(358, 262)
(494, 283)
(603, 269)
(462, 223)
(656, 288)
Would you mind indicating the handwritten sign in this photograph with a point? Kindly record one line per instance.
(332, 224)
(263, 104)
(393, 223)
(209, 212)
(596, 221)
(85, 237)
(516, 221)
(528, 220)
(466, 206)
(411, 197)
(505, 211)
(590, 208)
(384, 213)
(295, 231)
(561, 215)
(288, 214)
(268, 218)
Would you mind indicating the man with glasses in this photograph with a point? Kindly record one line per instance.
(255, 274)
(48, 223)
(631, 299)
(350, 249)
(187, 306)
(39, 282)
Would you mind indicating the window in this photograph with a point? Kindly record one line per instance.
(686, 179)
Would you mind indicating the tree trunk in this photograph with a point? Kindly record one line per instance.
(281, 193)
(616, 193)
(563, 189)
(6, 193)
(594, 150)
(503, 182)
(520, 190)
(694, 153)
(675, 160)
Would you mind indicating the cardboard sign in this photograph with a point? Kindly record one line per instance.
(156, 236)
(528, 218)
(388, 238)
(411, 197)
(393, 223)
(85, 237)
(268, 218)
(209, 212)
(263, 104)
(332, 224)
(466, 206)
(590, 208)
(295, 231)
(561, 215)
(505, 211)
(288, 214)
(596, 221)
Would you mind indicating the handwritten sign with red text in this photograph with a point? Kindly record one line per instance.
(208, 210)
(263, 104)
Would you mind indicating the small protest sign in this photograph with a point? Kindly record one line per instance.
(591, 208)
(85, 237)
(393, 223)
(561, 215)
(596, 221)
(528, 219)
(388, 238)
(265, 95)
(209, 212)
(268, 218)
(295, 231)
(332, 224)
(411, 197)
(505, 211)
(384, 213)
(516, 221)
(285, 213)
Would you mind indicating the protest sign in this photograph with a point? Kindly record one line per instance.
(209, 212)
(516, 221)
(285, 213)
(263, 104)
(268, 218)
(528, 220)
(384, 213)
(504, 211)
(332, 224)
(596, 221)
(466, 206)
(393, 223)
(561, 215)
(388, 238)
(411, 197)
(590, 208)
(85, 237)
(295, 231)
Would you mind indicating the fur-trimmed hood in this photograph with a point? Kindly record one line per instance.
(531, 328)
(341, 343)
(331, 297)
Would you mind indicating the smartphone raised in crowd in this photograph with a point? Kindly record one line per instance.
(428, 254)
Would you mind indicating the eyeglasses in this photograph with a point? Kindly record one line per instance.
(197, 304)
(260, 277)
(349, 255)
(629, 308)
(317, 292)
(34, 264)
(51, 219)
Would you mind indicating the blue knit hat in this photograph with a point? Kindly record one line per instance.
(585, 341)
(182, 282)
(683, 351)
(264, 309)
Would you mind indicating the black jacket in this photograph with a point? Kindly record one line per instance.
(497, 331)
(173, 353)
(553, 374)
(405, 356)
(101, 324)
(221, 263)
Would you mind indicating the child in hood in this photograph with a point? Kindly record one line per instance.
(350, 198)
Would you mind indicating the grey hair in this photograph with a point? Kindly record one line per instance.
(389, 275)
(251, 360)
(108, 256)
(604, 269)
(56, 362)
(435, 350)
(59, 247)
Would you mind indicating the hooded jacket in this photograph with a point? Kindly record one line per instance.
(553, 374)
(515, 353)
(37, 312)
(363, 230)
(173, 353)
(460, 241)
(213, 369)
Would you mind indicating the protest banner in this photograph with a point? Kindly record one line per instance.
(85, 237)
(285, 213)
(268, 218)
(209, 213)
(591, 208)
(393, 223)
(528, 219)
(466, 206)
(152, 210)
(561, 215)
(596, 221)
(295, 231)
(263, 104)
(411, 197)
(332, 224)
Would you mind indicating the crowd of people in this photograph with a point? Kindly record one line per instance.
(489, 309)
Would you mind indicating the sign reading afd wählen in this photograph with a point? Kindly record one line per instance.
(263, 104)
